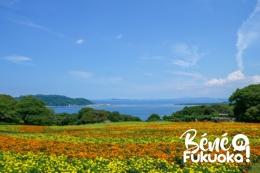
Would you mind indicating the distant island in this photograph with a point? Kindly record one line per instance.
(202, 103)
(58, 100)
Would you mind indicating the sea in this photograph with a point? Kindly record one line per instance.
(141, 108)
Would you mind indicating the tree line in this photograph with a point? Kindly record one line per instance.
(200, 113)
(58, 100)
(32, 111)
(244, 106)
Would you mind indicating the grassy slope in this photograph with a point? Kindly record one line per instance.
(255, 169)
(128, 123)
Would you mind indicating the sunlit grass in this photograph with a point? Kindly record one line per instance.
(255, 169)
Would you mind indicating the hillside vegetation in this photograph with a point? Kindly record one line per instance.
(33, 111)
(58, 100)
(244, 107)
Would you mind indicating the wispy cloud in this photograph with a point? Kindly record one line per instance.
(119, 36)
(22, 60)
(247, 34)
(96, 80)
(31, 24)
(81, 74)
(146, 57)
(189, 56)
(151, 74)
(195, 75)
(80, 41)
(111, 80)
(158, 57)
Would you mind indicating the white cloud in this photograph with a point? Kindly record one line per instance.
(19, 59)
(256, 79)
(189, 55)
(237, 75)
(119, 36)
(248, 33)
(195, 75)
(234, 78)
(215, 81)
(81, 74)
(80, 41)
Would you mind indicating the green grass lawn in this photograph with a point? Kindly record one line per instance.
(255, 169)
(127, 123)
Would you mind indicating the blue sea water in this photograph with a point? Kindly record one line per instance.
(140, 108)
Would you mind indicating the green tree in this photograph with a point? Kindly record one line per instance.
(33, 111)
(83, 111)
(154, 117)
(93, 116)
(42, 119)
(246, 101)
(219, 108)
(66, 119)
(114, 116)
(124, 117)
(190, 110)
(7, 109)
(252, 114)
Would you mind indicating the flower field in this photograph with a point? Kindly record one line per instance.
(116, 147)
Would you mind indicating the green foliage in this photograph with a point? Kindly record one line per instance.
(124, 117)
(114, 116)
(65, 119)
(83, 111)
(200, 113)
(89, 115)
(93, 116)
(246, 101)
(252, 114)
(57, 100)
(7, 109)
(191, 110)
(33, 111)
(30, 110)
(219, 108)
(154, 117)
(38, 120)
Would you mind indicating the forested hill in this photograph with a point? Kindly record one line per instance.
(58, 100)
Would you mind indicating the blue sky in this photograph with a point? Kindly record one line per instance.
(129, 49)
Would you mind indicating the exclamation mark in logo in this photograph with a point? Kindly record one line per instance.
(247, 153)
